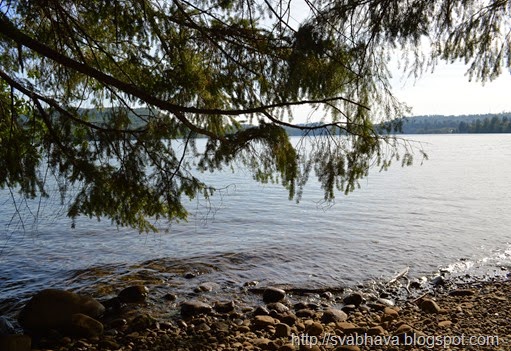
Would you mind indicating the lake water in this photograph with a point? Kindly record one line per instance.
(452, 211)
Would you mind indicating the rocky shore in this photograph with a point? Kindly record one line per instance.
(445, 316)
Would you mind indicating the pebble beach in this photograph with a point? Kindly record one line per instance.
(449, 316)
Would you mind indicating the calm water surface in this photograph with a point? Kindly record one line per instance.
(452, 211)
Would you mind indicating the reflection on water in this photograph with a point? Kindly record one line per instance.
(455, 206)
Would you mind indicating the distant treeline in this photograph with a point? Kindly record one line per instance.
(487, 123)
(434, 124)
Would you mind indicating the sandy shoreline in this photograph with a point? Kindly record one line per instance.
(472, 316)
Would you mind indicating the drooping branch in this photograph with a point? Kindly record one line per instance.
(10, 31)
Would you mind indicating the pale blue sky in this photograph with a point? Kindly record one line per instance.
(446, 91)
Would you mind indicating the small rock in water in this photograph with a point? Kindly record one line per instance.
(438, 280)
(112, 305)
(224, 307)
(205, 287)
(273, 295)
(170, 297)
(134, 294)
(415, 284)
(251, 283)
(193, 308)
(327, 295)
(190, 275)
(354, 299)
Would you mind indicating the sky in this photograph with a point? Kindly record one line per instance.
(446, 91)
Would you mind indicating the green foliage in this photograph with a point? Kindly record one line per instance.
(154, 75)
(21, 138)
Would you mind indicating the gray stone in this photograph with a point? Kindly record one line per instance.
(193, 308)
(84, 326)
(438, 280)
(206, 287)
(224, 307)
(273, 295)
(334, 315)
(277, 306)
(53, 309)
(134, 294)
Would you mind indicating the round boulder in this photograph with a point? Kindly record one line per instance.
(354, 299)
(53, 309)
(133, 294)
(224, 307)
(334, 315)
(273, 295)
(430, 306)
